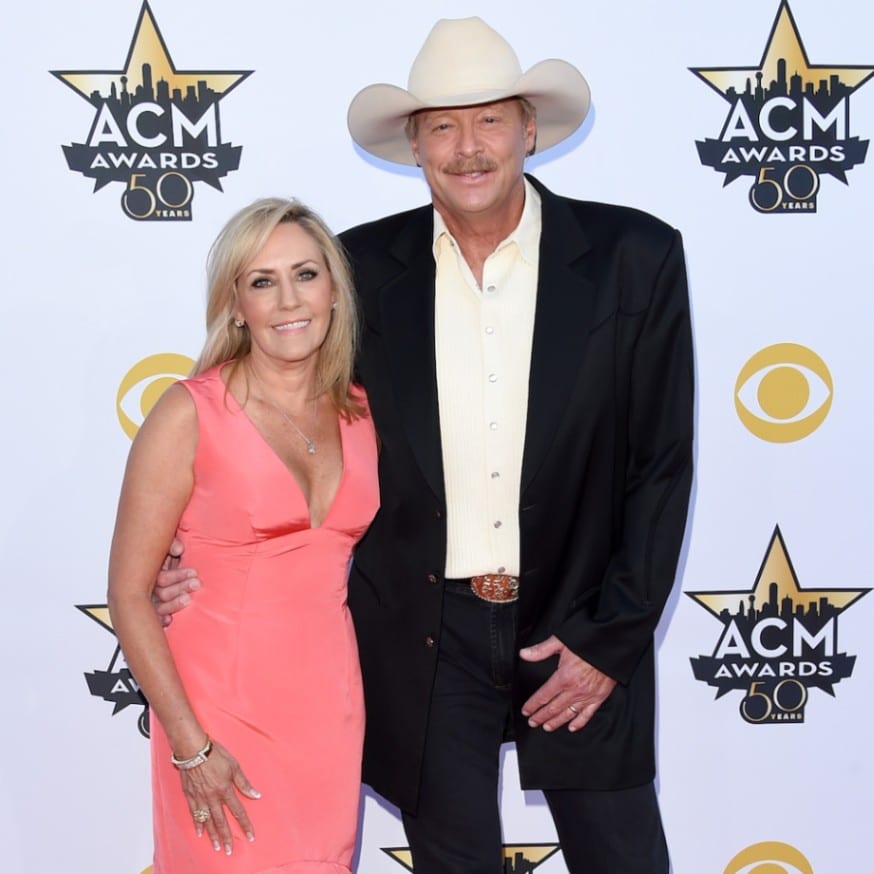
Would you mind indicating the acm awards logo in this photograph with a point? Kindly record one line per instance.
(518, 858)
(138, 392)
(115, 683)
(778, 641)
(156, 129)
(788, 122)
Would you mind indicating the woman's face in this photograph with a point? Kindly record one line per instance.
(285, 294)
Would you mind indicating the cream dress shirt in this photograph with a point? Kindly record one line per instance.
(483, 342)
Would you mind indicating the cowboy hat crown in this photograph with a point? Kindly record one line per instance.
(464, 62)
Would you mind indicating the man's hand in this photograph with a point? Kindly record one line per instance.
(173, 585)
(571, 695)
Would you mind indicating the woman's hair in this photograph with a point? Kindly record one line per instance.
(238, 243)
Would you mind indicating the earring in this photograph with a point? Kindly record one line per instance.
(334, 305)
(240, 323)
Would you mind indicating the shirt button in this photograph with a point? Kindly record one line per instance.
(498, 524)
(491, 289)
(493, 426)
(432, 578)
(429, 642)
(493, 377)
(490, 329)
(495, 474)
(502, 570)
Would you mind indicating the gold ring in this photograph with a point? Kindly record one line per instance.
(573, 709)
(200, 815)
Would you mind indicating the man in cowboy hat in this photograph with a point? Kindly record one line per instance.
(528, 362)
(529, 367)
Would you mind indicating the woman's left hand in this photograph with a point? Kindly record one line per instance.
(212, 787)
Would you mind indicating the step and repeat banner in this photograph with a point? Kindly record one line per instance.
(132, 132)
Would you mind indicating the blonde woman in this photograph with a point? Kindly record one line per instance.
(264, 462)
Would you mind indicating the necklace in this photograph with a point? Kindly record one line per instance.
(311, 446)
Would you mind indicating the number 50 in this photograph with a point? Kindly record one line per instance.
(788, 696)
(172, 191)
(800, 182)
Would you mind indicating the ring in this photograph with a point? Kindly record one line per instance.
(573, 709)
(200, 815)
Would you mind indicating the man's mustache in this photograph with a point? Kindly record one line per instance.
(479, 164)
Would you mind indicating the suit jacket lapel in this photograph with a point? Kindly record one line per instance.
(407, 315)
(565, 297)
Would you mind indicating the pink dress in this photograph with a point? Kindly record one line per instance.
(267, 650)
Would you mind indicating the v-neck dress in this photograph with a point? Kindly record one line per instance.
(267, 650)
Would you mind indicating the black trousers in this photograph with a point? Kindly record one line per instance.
(457, 828)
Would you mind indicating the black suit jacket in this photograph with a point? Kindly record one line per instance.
(606, 474)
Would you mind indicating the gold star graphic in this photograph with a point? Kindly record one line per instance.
(147, 50)
(522, 858)
(99, 613)
(784, 44)
(775, 582)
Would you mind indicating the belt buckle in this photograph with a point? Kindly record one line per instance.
(496, 588)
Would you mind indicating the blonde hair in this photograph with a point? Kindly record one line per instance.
(236, 245)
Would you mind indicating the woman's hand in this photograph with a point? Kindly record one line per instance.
(210, 788)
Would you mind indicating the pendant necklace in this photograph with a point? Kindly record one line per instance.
(311, 446)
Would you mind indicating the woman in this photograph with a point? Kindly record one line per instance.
(264, 461)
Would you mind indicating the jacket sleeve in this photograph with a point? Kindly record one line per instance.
(653, 479)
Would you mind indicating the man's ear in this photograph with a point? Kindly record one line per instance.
(530, 137)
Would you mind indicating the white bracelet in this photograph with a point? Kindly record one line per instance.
(197, 759)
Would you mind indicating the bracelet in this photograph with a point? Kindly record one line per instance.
(197, 759)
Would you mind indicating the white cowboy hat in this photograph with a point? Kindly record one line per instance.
(463, 63)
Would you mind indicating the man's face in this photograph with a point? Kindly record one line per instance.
(473, 156)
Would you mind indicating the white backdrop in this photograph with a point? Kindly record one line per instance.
(92, 294)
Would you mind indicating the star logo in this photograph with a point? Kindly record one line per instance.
(518, 858)
(156, 128)
(784, 50)
(788, 122)
(777, 584)
(116, 683)
(147, 50)
(778, 641)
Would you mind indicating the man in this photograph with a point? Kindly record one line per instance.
(529, 367)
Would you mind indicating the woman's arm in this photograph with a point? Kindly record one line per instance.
(157, 485)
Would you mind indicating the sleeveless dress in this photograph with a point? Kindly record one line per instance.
(267, 650)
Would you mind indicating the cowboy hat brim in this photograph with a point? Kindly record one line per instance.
(557, 90)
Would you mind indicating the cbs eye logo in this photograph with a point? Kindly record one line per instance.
(769, 857)
(783, 393)
(144, 383)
